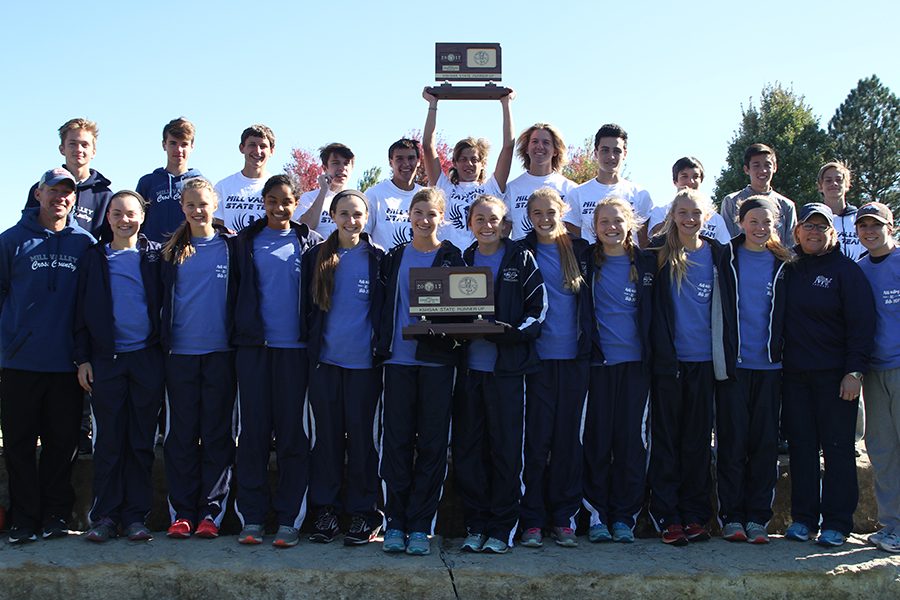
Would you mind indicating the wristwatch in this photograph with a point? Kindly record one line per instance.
(856, 375)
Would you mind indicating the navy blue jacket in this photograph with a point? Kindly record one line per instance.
(430, 349)
(92, 198)
(162, 191)
(312, 321)
(169, 275)
(662, 328)
(645, 263)
(728, 284)
(584, 297)
(830, 315)
(248, 323)
(38, 279)
(520, 302)
(94, 330)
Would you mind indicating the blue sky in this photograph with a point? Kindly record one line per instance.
(674, 75)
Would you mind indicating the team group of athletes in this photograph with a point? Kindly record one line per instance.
(261, 313)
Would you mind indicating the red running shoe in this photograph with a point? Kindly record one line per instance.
(674, 535)
(180, 529)
(207, 529)
(696, 532)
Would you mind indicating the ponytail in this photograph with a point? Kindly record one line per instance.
(178, 247)
(323, 275)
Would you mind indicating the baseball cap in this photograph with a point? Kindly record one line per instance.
(815, 208)
(877, 211)
(57, 175)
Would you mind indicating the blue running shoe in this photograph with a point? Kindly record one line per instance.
(830, 537)
(394, 541)
(599, 533)
(622, 533)
(418, 545)
(797, 532)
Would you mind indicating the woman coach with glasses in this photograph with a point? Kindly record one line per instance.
(828, 337)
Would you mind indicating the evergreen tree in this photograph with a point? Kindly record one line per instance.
(786, 123)
(866, 131)
(369, 178)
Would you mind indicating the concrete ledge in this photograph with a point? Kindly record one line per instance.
(221, 569)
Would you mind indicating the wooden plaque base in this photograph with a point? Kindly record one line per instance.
(465, 331)
(489, 91)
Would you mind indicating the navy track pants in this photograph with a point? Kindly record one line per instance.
(272, 399)
(416, 436)
(554, 415)
(616, 440)
(128, 392)
(199, 439)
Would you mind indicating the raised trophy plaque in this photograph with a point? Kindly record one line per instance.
(461, 61)
(454, 301)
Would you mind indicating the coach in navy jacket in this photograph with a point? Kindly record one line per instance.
(828, 338)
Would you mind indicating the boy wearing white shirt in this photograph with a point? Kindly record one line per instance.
(240, 198)
(610, 150)
(687, 172)
(389, 199)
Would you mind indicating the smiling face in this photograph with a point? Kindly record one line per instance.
(877, 237)
(256, 151)
(814, 235)
(125, 217)
(468, 165)
(198, 206)
(546, 217)
(424, 218)
(611, 225)
(833, 186)
(55, 201)
(486, 223)
(689, 178)
(404, 162)
(280, 204)
(688, 217)
(610, 154)
(761, 169)
(350, 215)
(541, 151)
(79, 148)
(757, 225)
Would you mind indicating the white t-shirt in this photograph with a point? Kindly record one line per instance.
(240, 200)
(459, 197)
(520, 189)
(844, 225)
(714, 228)
(389, 213)
(584, 198)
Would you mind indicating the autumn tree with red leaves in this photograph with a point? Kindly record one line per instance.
(444, 152)
(582, 165)
(304, 168)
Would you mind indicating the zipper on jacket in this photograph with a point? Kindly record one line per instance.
(772, 312)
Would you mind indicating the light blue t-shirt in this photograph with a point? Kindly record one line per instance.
(131, 322)
(884, 276)
(693, 319)
(276, 256)
(198, 322)
(403, 352)
(616, 311)
(482, 353)
(348, 329)
(754, 307)
(559, 331)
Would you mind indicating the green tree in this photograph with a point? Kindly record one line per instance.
(786, 123)
(866, 131)
(369, 178)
